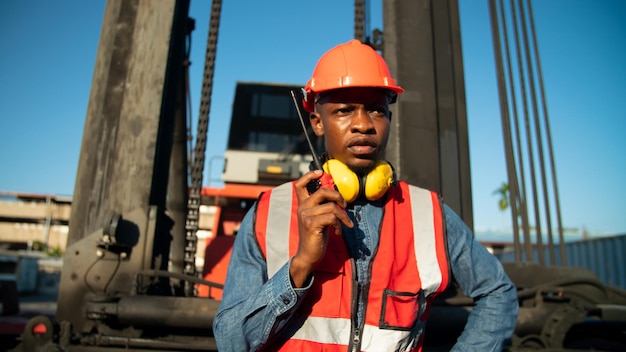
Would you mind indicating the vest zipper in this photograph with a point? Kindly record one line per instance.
(357, 330)
(357, 290)
(355, 333)
(356, 340)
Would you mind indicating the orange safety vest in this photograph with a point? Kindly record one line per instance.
(409, 268)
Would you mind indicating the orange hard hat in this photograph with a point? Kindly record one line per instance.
(352, 64)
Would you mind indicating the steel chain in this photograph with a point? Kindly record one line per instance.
(197, 163)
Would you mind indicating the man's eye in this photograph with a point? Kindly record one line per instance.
(378, 112)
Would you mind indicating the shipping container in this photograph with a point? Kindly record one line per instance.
(605, 257)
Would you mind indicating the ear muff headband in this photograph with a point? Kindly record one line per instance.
(373, 186)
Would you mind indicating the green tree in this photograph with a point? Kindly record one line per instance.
(55, 251)
(503, 193)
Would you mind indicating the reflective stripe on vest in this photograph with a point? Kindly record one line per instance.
(337, 332)
(402, 284)
(279, 209)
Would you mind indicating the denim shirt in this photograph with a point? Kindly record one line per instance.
(254, 310)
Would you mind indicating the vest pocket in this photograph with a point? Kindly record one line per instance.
(400, 310)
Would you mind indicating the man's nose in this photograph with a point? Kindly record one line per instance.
(362, 121)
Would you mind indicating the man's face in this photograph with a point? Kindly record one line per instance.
(355, 125)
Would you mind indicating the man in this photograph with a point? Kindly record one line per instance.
(336, 269)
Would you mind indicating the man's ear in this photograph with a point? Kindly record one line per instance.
(316, 123)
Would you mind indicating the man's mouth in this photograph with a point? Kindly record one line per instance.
(362, 149)
(362, 146)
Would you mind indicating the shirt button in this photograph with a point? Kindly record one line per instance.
(286, 300)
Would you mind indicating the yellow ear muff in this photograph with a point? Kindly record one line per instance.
(378, 180)
(346, 181)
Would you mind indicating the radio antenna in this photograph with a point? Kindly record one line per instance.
(316, 159)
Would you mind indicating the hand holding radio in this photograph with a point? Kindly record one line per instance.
(320, 215)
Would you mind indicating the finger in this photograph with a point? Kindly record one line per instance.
(327, 195)
(343, 217)
(334, 220)
(328, 214)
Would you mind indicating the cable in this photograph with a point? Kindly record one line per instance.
(117, 266)
(87, 272)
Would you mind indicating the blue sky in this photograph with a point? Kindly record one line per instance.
(49, 50)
